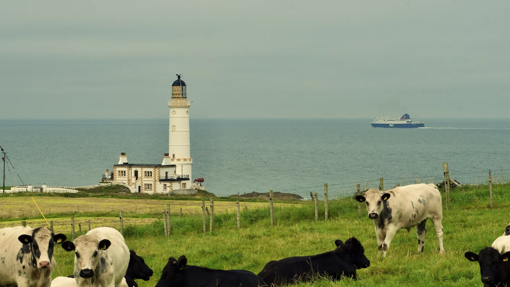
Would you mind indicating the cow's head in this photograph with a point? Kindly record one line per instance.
(137, 268)
(88, 251)
(507, 229)
(172, 274)
(491, 263)
(41, 244)
(354, 252)
(375, 202)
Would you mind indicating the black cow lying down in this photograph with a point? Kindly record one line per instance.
(177, 273)
(343, 261)
(494, 267)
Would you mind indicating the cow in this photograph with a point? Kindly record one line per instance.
(494, 266)
(502, 244)
(507, 230)
(177, 273)
(404, 207)
(101, 258)
(341, 262)
(26, 255)
(137, 269)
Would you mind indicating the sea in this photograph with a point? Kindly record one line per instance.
(237, 156)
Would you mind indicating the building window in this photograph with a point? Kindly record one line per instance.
(164, 187)
(183, 185)
(122, 173)
(166, 175)
(147, 186)
(173, 155)
(147, 173)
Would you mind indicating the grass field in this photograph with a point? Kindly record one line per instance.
(469, 225)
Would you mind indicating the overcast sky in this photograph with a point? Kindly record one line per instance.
(255, 59)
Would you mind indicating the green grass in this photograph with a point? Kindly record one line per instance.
(469, 225)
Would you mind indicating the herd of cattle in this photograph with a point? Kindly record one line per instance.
(102, 257)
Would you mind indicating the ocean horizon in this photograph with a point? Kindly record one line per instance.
(245, 155)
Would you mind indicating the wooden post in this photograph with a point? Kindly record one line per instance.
(181, 212)
(88, 225)
(358, 192)
(381, 183)
(326, 201)
(169, 222)
(164, 224)
(212, 216)
(121, 223)
(72, 227)
(79, 227)
(271, 207)
(446, 184)
(238, 215)
(24, 223)
(490, 188)
(311, 196)
(203, 215)
(316, 201)
(51, 226)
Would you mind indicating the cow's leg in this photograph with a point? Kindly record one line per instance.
(421, 231)
(380, 239)
(438, 227)
(390, 232)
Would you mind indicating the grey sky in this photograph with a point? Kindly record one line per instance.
(255, 59)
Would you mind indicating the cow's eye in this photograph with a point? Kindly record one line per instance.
(95, 254)
(77, 254)
(366, 203)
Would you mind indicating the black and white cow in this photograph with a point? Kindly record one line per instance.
(404, 207)
(502, 244)
(507, 230)
(494, 266)
(177, 273)
(343, 261)
(26, 256)
(101, 258)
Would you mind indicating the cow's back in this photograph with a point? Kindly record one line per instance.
(502, 244)
(9, 248)
(118, 250)
(414, 203)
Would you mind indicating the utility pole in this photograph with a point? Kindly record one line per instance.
(4, 159)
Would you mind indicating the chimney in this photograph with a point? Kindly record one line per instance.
(166, 159)
(123, 158)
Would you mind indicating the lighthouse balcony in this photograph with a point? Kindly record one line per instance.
(175, 177)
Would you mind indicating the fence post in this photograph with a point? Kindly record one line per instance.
(316, 201)
(121, 224)
(358, 192)
(212, 216)
(446, 184)
(88, 225)
(381, 183)
(313, 199)
(238, 215)
(181, 212)
(51, 226)
(79, 227)
(203, 215)
(326, 202)
(72, 227)
(490, 188)
(164, 223)
(271, 207)
(24, 223)
(169, 224)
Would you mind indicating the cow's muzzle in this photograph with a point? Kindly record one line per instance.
(487, 280)
(86, 273)
(373, 215)
(44, 264)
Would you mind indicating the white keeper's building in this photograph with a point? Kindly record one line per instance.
(174, 174)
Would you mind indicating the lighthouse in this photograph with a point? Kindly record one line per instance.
(179, 137)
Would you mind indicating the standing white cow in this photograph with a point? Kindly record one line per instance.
(502, 244)
(101, 258)
(404, 207)
(26, 256)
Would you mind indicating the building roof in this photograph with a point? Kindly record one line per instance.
(144, 165)
(179, 82)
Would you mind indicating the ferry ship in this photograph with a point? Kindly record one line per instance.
(404, 122)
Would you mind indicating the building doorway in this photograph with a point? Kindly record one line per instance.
(139, 189)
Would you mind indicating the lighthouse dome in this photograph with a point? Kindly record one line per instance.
(179, 82)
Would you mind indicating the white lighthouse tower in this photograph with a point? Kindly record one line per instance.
(179, 139)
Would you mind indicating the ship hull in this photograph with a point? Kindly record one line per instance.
(397, 126)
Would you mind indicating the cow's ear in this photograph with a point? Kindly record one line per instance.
(59, 238)
(104, 244)
(68, 246)
(471, 256)
(338, 243)
(360, 198)
(385, 196)
(181, 262)
(25, 239)
(505, 256)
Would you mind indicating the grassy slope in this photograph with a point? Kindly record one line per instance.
(469, 225)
